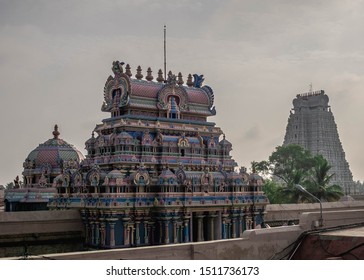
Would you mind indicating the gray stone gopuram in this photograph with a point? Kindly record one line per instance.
(311, 124)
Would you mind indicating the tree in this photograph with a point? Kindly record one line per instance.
(274, 192)
(293, 165)
(319, 182)
(290, 164)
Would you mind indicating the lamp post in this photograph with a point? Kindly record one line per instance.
(302, 189)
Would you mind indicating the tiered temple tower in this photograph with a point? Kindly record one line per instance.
(311, 124)
(156, 171)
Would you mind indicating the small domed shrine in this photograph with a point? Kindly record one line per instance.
(156, 170)
(42, 166)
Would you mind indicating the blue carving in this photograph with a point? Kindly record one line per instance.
(198, 80)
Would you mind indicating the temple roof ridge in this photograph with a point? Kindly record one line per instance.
(118, 70)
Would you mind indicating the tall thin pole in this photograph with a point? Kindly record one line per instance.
(165, 55)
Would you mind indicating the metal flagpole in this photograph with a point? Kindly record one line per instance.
(165, 56)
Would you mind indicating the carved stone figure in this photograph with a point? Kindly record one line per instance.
(117, 67)
(198, 80)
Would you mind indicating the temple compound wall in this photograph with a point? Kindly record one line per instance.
(156, 171)
(40, 232)
(254, 244)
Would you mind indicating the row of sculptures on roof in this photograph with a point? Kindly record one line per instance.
(117, 68)
(96, 177)
(147, 138)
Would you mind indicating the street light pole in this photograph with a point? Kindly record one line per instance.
(302, 189)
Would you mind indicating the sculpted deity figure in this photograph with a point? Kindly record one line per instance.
(117, 67)
(16, 182)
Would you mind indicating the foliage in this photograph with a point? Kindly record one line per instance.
(274, 192)
(319, 183)
(293, 165)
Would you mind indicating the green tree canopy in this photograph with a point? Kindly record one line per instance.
(319, 182)
(291, 165)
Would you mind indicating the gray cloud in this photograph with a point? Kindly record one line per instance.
(256, 55)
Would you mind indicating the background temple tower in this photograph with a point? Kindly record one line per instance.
(311, 124)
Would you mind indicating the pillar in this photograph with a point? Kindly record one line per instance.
(102, 234)
(175, 234)
(87, 232)
(212, 226)
(92, 241)
(186, 230)
(112, 234)
(146, 232)
(200, 236)
(126, 233)
(137, 233)
(97, 233)
(160, 232)
(241, 221)
(166, 231)
(233, 227)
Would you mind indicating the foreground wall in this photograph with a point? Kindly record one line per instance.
(254, 244)
(258, 244)
(283, 214)
(40, 232)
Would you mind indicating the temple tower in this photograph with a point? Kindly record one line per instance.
(311, 124)
(157, 171)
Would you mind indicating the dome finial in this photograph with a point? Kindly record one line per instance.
(56, 132)
(160, 78)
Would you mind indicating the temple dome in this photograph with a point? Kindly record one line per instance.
(54, 152)
(255, 179)
(225, 143)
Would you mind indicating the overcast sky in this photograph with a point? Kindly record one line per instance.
(55, 57)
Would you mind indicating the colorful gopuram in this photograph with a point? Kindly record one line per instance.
(156, 171)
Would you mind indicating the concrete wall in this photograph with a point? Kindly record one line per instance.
(255, 244)
(283, 213)
(40, 232)
(258, 244)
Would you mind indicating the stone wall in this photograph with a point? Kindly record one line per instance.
(40, 232)
(279, 214)
(257, 244)
(45, 226)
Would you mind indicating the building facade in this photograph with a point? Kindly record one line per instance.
(311, 124)
(156, 171)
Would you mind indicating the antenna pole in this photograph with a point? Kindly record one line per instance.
(165, 56)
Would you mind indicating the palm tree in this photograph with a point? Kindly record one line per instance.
(319, 183)
(289, 190)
